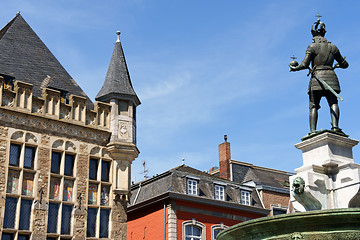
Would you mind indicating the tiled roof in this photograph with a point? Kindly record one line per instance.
(117, 82)
(174, 180)
(26, 58)
(244, 172)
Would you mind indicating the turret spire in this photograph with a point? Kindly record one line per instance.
(117, 84)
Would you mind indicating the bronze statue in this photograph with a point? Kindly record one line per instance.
(324, 82)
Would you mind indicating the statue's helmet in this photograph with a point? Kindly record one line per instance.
(318, 28)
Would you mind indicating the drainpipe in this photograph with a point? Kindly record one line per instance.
(164, 221)
(261, 201)
(137, 194)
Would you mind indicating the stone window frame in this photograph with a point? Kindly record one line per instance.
(101, 155)
(277, 207)
(220, 226)
(245, 197)
(193, 182)
(63, 147)
(195, 223)
(24, 139)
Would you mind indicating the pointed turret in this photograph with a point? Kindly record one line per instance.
(117, 84)
(118, 91)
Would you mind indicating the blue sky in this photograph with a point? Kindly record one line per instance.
(203, 69)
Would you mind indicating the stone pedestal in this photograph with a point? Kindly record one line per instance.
(330, 174)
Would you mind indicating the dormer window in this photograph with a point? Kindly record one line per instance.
(219, 192)
(245, 197)
(192, 186)
(8, 82)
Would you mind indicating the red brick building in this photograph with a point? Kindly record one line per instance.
(271, 185)
(184, 203)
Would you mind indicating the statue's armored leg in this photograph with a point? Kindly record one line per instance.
(313, 117)
(314, 105)
(335, 114)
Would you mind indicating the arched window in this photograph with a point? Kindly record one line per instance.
(99, 193)
(193, 230)
(216, 229)
(22, 172)
(62, 188)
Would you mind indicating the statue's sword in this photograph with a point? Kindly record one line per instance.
(325, 84)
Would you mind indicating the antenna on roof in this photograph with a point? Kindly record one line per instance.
(145, 171)
(183, 161)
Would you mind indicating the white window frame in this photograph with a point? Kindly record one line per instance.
(195, 223)
(217, 227)
(245, 197)
(219, 192)
(192, 186)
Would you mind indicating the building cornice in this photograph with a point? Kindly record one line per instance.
(199, 200)
(33, 122)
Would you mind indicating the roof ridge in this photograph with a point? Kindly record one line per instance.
(259, 167)
(8, 25)
(26, 57)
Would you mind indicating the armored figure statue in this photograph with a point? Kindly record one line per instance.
(324, 82)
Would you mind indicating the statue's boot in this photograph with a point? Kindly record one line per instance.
(313, 117)
(335, 114)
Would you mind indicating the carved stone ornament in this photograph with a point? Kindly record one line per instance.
(8, 100)
(64, 129)
(123, 129)
(296, 236)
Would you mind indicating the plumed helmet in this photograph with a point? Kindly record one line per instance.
(318, 28)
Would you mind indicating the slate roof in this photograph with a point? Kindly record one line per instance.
(117, 82)
(26, 58)
(245, 172)
(174, 180)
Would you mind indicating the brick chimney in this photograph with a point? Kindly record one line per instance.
(224, 159)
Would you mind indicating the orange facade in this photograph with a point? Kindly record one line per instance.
(207, 220)
(148, 222)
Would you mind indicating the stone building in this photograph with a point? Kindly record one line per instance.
(185, 203)
(64, 161)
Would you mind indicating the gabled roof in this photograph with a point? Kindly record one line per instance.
(26, 58)
(117, 82)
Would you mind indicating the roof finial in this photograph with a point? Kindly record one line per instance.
(18, 13)
(182, 161)
(118, 37)
(225, 138)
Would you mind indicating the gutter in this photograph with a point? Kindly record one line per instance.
(196, 199)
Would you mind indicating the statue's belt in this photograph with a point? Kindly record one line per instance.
(322, 67)
(325, 84)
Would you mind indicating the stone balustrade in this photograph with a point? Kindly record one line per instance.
(52, 105)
